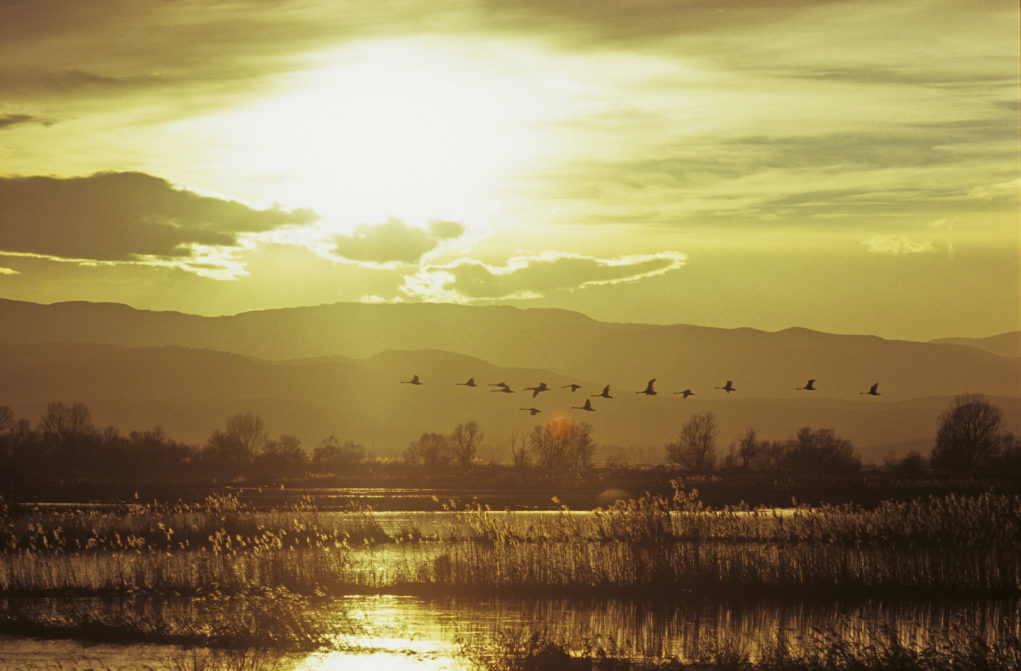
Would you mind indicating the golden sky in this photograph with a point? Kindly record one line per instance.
(844, 166)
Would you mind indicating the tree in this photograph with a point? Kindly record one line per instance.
(970, 434)
(748, 448)
(819, 451)
(283, 456)
(464, 443)
(695, 448)
(563, 447)
(69, 436)
(332, 457)
(430, 450)
(225, 454)
(248, 429)
(520, 452)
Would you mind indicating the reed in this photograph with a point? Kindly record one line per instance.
(814, 650)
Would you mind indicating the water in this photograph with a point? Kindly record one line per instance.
(400, 632)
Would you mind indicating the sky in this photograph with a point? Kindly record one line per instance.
(850, 167)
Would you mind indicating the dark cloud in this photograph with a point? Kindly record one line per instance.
(123, 216)
(532, 277)
(393, 241)
(638, 21)
(8, 120)
(446, 230)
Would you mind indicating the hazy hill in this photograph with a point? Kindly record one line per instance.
(1005, 344)
(190, 392)
(762, 365)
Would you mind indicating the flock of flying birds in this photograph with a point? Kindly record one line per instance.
(504, 388)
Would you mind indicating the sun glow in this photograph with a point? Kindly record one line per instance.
(409, 129)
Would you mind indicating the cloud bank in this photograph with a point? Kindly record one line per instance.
(393, 241)
(126, 217)
(897, 245)
(525, 277)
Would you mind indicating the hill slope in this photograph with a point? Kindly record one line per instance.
(766, 365)
(190, 392)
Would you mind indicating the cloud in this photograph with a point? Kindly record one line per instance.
(1000, 190)
(126, 217)
(897, 245)
(393, 241)
(8, 120)
(8, 271)
(525, 277)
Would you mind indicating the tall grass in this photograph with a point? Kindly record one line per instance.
(667, 545)
(814, 650)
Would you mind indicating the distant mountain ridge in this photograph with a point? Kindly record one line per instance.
(761, 364)
(190, 392)
(1004, 344)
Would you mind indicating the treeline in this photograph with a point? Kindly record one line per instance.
(971, 440)
(65, 443)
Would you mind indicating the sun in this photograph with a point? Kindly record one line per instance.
(415, 129)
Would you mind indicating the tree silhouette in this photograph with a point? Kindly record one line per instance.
(431, 450)
(248, 429)
(695, 447)
(332, 457)
(464, 443)
(563, 447)
(970, 434)
(819, 451)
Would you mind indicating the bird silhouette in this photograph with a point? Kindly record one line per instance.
(573, 387)
(729, 387)
(587, 406)
(532, 411)
(537, 390)
(503, 388)
(686, 392)
(809, 386)
(873, 390)
(648, 391)
(413, 380)
(604, 394)
(469, 383)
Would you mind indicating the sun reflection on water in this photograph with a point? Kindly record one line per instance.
(394, 632)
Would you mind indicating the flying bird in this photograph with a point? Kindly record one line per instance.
(686, 392)
(413, 380)
(537, 390)
(587, 406)
(873, 390)
(605, 393)
(729, 387)
(648, 391)
(573, 387)
(809, 386)
(469, 383)
(532, 411)
(504, 389)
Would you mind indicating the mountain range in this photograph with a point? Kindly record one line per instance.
(337, 369)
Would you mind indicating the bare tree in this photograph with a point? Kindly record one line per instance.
(563, 447)
(520, 452)
(333, 457)
(431, 450)
(248, 429)
(6, 419)
(970, 434)
(695, 448)
(65, 423)
(748, 448)
(464, 443)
